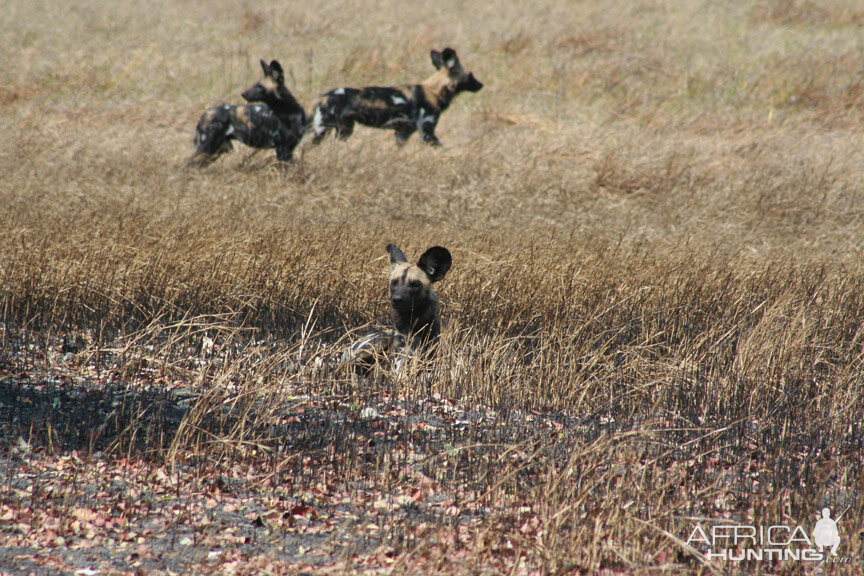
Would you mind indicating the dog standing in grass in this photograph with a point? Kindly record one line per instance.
(405, 109)
(413, 311)
(277, 122)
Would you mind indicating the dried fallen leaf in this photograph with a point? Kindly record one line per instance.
(304, 511)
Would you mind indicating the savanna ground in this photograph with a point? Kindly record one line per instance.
(655, 317)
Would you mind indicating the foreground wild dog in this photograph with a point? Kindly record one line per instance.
(404, 109)
(413, 310)
(279, 122)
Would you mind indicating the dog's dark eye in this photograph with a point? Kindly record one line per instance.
(415, 284)
(393, 282)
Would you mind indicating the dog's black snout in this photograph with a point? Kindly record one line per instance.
(254, 94)
(473, 84)
(400, 301)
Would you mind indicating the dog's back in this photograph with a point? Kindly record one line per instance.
(253, 125)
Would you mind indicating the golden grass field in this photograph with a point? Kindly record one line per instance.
(656, 215)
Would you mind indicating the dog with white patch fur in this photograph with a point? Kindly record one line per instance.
(404, 109)
(273, 119)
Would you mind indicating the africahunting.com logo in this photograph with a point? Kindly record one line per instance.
(736, 542)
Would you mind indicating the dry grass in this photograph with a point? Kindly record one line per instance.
(655, 212)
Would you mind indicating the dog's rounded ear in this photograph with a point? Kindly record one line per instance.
(396, 255)
(449, 58)
(437, 61)
(436, 261)
(276, 70)
(265, 67)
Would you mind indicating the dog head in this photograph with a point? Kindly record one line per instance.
(411, 292)
(460, 79)
(269, 86)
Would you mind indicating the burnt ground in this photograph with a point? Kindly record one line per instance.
(111, 464)
(367, 481)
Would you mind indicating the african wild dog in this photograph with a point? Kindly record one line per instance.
(278, 122)
(404, 109)
(413, 310)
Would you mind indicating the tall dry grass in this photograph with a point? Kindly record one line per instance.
(654, 210)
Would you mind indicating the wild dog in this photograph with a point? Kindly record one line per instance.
(279, 121)
(416, 325)
(405, 109)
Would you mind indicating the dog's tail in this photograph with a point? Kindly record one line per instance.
(198, 160)
(312, 135)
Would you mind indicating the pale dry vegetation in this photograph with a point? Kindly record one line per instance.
(655, 315)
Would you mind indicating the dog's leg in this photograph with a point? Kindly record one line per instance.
(403, 134)
(211, 145)
(284, 153)
(284, 146)
(345, 129)
(213, 140)
(249, 157)
(199, 160)
(428, 130)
